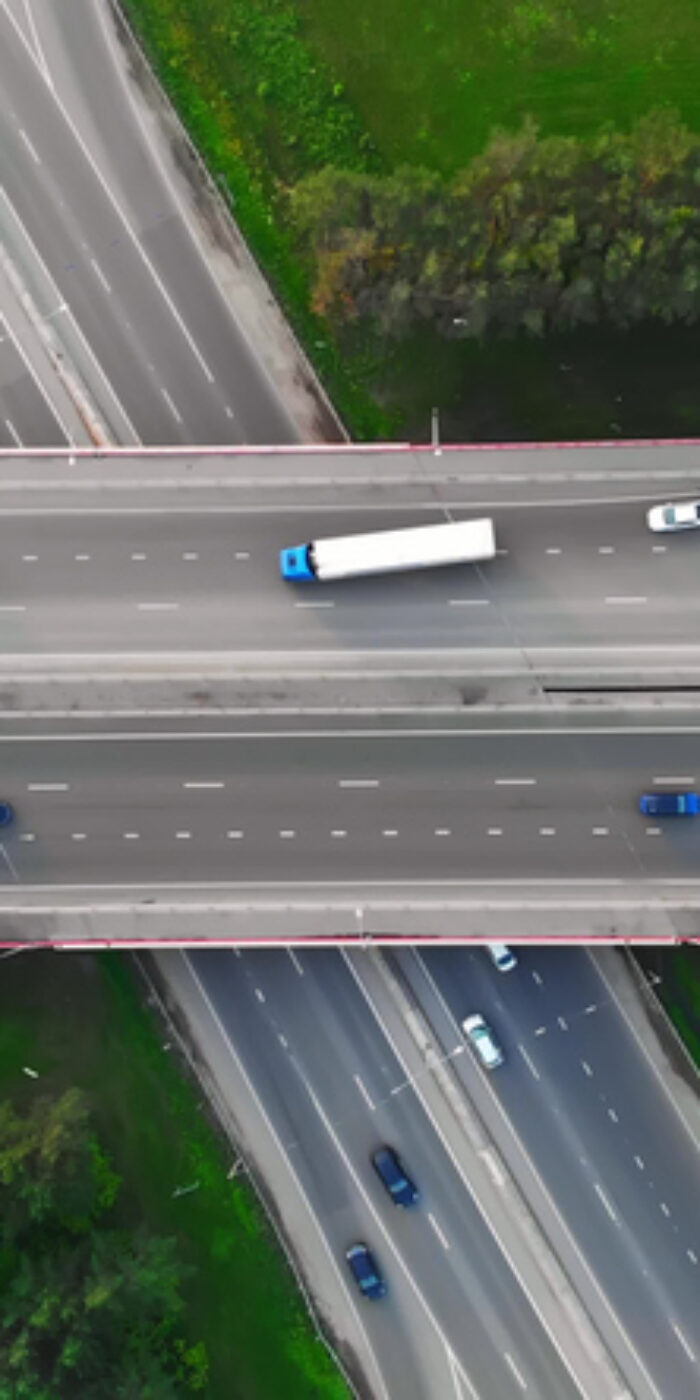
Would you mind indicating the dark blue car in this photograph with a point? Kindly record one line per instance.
(388, 1166)
(7, 814)
(670, 804)
(365, 1271)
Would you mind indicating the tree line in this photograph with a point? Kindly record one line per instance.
(88, 1308)
(535, 234)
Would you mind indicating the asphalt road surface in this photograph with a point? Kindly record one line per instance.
(455, 1316)
(616, 1156)
(454, 804)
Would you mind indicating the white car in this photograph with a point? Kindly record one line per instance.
(483, 1041)
(503, 956)
(677, 515)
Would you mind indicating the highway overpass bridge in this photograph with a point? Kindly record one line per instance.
(195, 750)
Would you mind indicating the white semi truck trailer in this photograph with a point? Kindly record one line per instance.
(390, 551)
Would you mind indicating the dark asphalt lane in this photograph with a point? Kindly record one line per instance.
(604, 1137)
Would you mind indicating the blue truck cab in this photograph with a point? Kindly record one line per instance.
(295, 564)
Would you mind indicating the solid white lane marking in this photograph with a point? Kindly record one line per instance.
(47, 787)
(259, 994)
(438, 1231)
(515, 782)
(364, 1091)
(171, 405)
(157, 607)
(586, 1068)
(673, 780)
(626, 600)
(469, 602)
(100, 275)
(358, 782)
(495, 831)
(296, 962)
(234, 835)
(13, 433)
(687, 1349)
(196, 785)
(603, 1198)
(534, 1072)
(520, 1379)
(29, 146)
(183, 835)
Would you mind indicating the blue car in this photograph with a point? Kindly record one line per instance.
(365, 1271)
(7, 814)
(387, 1164)
(670, 804)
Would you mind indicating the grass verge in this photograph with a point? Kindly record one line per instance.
(79, 1020)
(678, 988)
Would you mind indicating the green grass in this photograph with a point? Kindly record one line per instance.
(273, 89)
(678, 988)
(80, 1021)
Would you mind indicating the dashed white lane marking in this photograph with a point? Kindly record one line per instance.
(190, 554)
(687, 1349)
(692, 1256)
(283, 1041)
(623, 601)
(495, 831)
(563, 1023)
(325, 603)
(639, 1161)
(673, 780)
(553, 551)
(586, 1068)
(548, 831)
(469, 602)
(502, 552)
(12, 607)
(438, 1231)
(613, 1116)
(131, 835)
(520, 1379)
(29, 558)
(196, 785)
(82, 558)
(338, 833)
(358, 782)
(541, 1030)
(287, 833)
(363, 1090)
(234, 835)
(390, 831)
(604, 1200)
(296, 962)
(664, 1209)
(259, 994)
(442, 831)
(606, 549)
(536, 978)
(183, 835)
(157, 607)
(47, 787)
(138, 556)
(515, 782)
(601, 831)
(13, 433)
(100, 275)
(653, 831)
(588, 1010)
(242, 554)
(29, 146)
(171, 405)
(659, 548)
(27, 836)
(534, 1072)
(79, 835)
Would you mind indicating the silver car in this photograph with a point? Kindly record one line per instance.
(677, 515)
(483, 1041)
